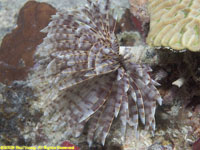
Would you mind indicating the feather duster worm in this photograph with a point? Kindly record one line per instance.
(88, 79)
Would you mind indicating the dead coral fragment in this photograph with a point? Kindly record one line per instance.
(175, 24)
(88, 79)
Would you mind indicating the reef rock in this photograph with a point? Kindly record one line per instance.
(15, 113)
(18, 47)
(139, 9)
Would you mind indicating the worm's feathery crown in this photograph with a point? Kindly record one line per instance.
(93, 82)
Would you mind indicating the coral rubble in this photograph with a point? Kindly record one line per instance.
(15, 113)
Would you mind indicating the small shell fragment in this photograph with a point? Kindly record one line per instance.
(179, 82)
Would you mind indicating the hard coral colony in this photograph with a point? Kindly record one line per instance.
(174, 24)
(89, 79)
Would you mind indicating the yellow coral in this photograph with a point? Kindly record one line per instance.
(175, 24)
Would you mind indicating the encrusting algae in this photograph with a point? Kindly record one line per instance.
(174, 24)
(84, 77)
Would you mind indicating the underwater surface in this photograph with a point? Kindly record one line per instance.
(100, 75)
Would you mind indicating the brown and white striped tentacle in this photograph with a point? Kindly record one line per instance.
(133, 112)
(102, 93)
(140, 103)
